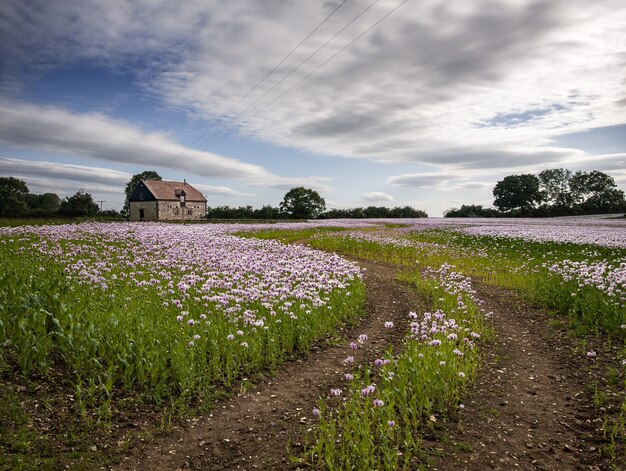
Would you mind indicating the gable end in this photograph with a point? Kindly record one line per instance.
(141, 193)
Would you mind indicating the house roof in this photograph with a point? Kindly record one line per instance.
(164, 190)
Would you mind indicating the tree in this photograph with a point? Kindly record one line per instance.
(110, 213)
(517, 192)
(80, 204)
(372, 212)
(555, 185)
(13, 193)
(596, 192)
(303, 203)
(242, 212)
(407, 212)
(266, 212)
(43, 205)
(132, 184)
(471, 211)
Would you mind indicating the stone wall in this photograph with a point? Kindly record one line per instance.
(172, 211)
(167, 210)
(149, 210)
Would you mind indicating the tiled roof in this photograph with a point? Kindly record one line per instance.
(163, 190)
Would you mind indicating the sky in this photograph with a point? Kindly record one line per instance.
(424, 103)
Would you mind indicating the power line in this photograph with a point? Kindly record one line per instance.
(221, 118)
(311, 73)
(284, 59)
(295, 69)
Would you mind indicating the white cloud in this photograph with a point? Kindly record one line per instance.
(104, 183)
(605, 162)
(437, 82)
(425, 179)
(114, 196)
(377, 196)
(115, 31)
(476, 185)
(66, 177)
(97, 136)
(218, 190)
(114, 178)
(471, 89)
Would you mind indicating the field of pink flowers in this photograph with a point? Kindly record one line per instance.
(169, 312)
(574, 267)
(173, 314)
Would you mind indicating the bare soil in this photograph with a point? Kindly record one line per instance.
(539, 402)
(532, 407)
(259, 427)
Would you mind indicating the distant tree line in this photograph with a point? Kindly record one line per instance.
(17, 201)
(375, 212)
(304, 203)
(553, 192)
(244, 212)
(269, 212)
(473, 211)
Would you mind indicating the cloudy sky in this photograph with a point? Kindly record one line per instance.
(425, 103)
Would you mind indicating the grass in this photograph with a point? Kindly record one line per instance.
(507, 263)
(84, 314)
(411, 391)
(119, 348)
(585, 309)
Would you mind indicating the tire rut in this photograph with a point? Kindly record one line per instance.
(253, 429)
(529, 408)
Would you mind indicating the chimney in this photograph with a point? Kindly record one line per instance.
(184, 181)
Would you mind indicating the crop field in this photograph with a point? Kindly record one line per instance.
(138, 328)
(576, 269)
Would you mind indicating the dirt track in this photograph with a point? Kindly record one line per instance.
(530, 408)
(253, 429)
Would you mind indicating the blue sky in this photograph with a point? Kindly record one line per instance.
(421, 103)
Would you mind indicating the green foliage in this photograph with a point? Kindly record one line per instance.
(302, 203)
(596, 192)
(373, 212)
(269, 212)
(79, 205)
(13, 197)
(472, 211)
(243, 212)
(355, 434)
(509, 263)
(110, 214)
(562, 193)
(418, 387)
(555, 185)
(47, 204)
(126, 342)
(517, 192)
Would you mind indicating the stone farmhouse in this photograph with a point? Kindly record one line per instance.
(157, 200)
